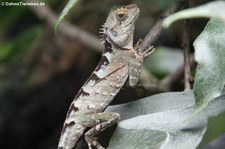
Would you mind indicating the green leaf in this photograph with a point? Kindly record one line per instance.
(152, 104)
(149, 139)
(212, 9)
(147, 123)
(215, 128)
(65, 11)
(210, 56)
(136, 139)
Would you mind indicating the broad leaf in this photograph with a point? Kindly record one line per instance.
(210, 56)
(137, 138)
(213, 9)
(164, 126)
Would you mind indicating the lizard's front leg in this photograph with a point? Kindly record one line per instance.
(135, 63)
(98, 122)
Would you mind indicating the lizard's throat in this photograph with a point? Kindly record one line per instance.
(127, 46)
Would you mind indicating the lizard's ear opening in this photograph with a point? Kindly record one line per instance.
(114, 32)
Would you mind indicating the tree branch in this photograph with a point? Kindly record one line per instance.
(177, 75)
(149, 39)
(156, 30)
(186, 47)
(66, 28)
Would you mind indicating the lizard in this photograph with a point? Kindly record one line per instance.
(120, 61)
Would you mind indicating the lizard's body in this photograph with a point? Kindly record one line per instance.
(119, 61)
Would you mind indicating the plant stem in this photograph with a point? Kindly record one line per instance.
(186, 47)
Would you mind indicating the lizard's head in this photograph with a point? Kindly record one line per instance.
(119, 26)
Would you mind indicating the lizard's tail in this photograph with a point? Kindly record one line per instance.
(70, 134)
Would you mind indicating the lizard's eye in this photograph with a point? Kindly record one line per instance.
(121, 16)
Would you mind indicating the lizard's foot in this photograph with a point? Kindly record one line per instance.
(146, 52)
(93, 142)
(98, 122)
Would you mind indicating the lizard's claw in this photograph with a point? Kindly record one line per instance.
(93, 142)
(143, 54)
(147, 52)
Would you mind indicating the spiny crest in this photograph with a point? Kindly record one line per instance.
(121, 10)
(113, 8)
(102, 32)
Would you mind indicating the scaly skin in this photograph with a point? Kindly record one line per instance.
(119, 61)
